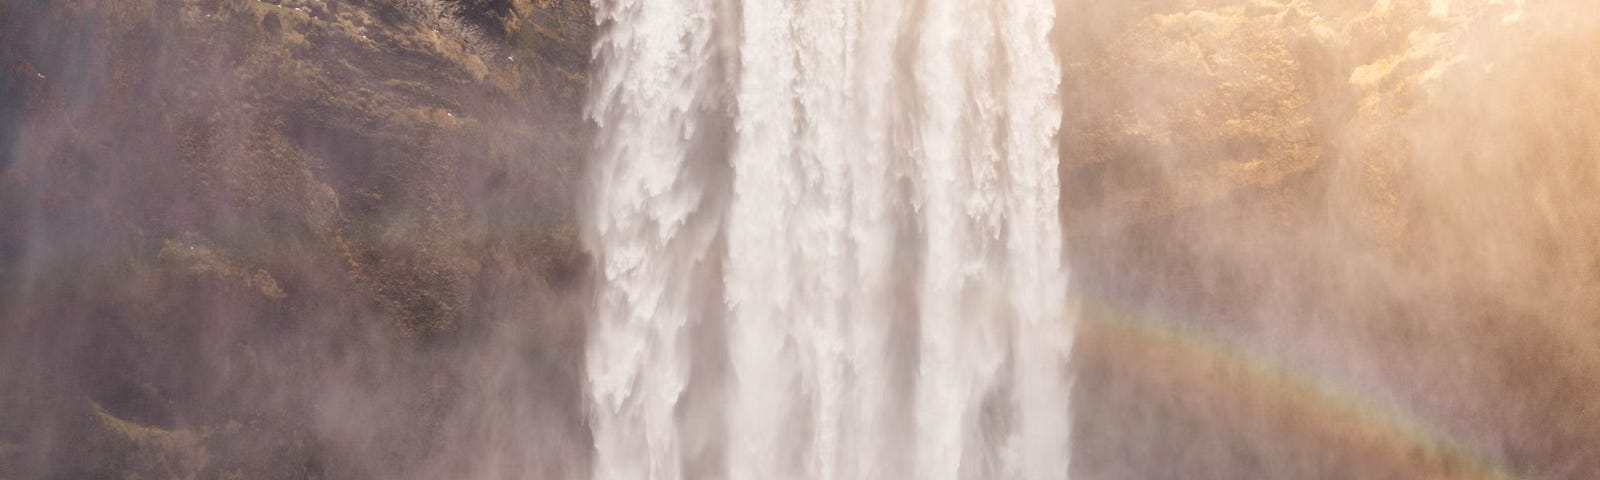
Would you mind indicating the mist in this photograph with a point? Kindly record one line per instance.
(288, 240)
(348, 239)
(1364, 230)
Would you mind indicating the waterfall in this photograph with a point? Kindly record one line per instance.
(829, 241)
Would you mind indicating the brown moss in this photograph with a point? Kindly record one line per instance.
(129, 449)
(264, 177)
(201, 260)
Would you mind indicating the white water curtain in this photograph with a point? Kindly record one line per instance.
(829, 239)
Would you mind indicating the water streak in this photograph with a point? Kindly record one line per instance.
(860, 198)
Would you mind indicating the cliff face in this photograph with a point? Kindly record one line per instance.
(1331, 238)
(235, 230)
(328, 238)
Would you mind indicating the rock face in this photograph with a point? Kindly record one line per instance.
(1334, 238)
(289, 238)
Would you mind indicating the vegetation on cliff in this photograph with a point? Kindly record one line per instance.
(288, 239)
(225, 217)
(1390, 199)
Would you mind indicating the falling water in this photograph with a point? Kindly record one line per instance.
(829, 241)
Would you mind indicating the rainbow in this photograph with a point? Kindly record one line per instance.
(1261, 395)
